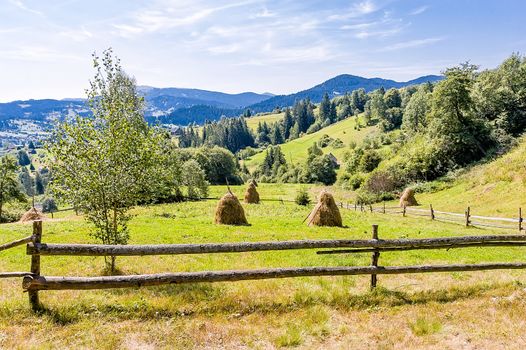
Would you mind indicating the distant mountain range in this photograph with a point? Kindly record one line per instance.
(337, 86)
(183, 106)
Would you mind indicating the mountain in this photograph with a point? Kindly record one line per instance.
(184, 106)
(191, 97)
(336, 86)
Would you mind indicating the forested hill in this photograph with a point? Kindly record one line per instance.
(338, 85)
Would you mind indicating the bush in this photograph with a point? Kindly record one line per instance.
(337, 143)
(356, 181)
(302, 197)
(49, 205)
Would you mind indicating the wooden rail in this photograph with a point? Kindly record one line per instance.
(460, 218)
(103, 282)
(176, 249)
(16, 243)
(33, 281)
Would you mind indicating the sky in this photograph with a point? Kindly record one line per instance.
(247, 45)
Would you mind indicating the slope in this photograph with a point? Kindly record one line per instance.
(296, 150)
(495, 188)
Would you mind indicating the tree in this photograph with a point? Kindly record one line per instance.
(194, 178)
(463, 136)
(27, 181)
(23, 158)
(287, 123)
(358, 100)
(106, 164)
(39, 184)
(414, 118)
(275, 135)
(9, 185)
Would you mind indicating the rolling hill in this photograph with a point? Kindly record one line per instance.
(338, 85)
(296, 150)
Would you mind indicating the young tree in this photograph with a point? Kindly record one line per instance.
(9, 185)
(106, 164)
(194, 179)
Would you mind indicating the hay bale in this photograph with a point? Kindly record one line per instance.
(407, 198)
(31, 215)
(251, 194)
(229, 211)
(326, 212)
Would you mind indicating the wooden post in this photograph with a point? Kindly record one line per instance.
(467, 217)
(432, 211)
(371, 208)
(374, 258)
(52, 214)
(35, 265)
(355, 209)
(403, 212)
(520, 219)
(384, 207)
(341, 205)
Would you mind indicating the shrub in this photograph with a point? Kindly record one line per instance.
(356, 181)
(49, 205)
(302, 197)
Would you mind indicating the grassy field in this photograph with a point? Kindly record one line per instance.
(444, 310)
(253, 122)
(296, 150)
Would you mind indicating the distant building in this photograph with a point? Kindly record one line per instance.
(334, 160)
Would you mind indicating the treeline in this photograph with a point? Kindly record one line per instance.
(430, 130)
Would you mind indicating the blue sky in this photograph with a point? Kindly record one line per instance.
(247, 45)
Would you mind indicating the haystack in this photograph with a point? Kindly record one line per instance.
(326, 212)
(229, 211)
(252, 181)
(251, 194)
(32, 214)
(408, 198)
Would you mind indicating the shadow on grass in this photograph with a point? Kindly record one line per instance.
(204, 299)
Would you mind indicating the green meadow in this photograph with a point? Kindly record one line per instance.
(313, 312)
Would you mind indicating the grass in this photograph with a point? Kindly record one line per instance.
(253, 122)
(485, 308)
(296, 150)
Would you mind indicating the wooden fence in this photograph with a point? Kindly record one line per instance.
(33, 281)
(467, 218)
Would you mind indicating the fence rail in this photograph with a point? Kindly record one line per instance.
(33, 281)
(465, 218)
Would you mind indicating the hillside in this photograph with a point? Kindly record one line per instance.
(253, 122)
(296, 150)
(492, 188)
(338, 85)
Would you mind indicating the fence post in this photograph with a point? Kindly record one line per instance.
(403, 212)
(432, 211)
(374, 258)
(371, 207)
(35, 265)
(355, 209)
(384, 207)
(467, 216)
(520, 220)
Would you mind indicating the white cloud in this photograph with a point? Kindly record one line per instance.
(411, 44)
(357, 10)
(161, 18)
(418, 10)
(22, 6)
